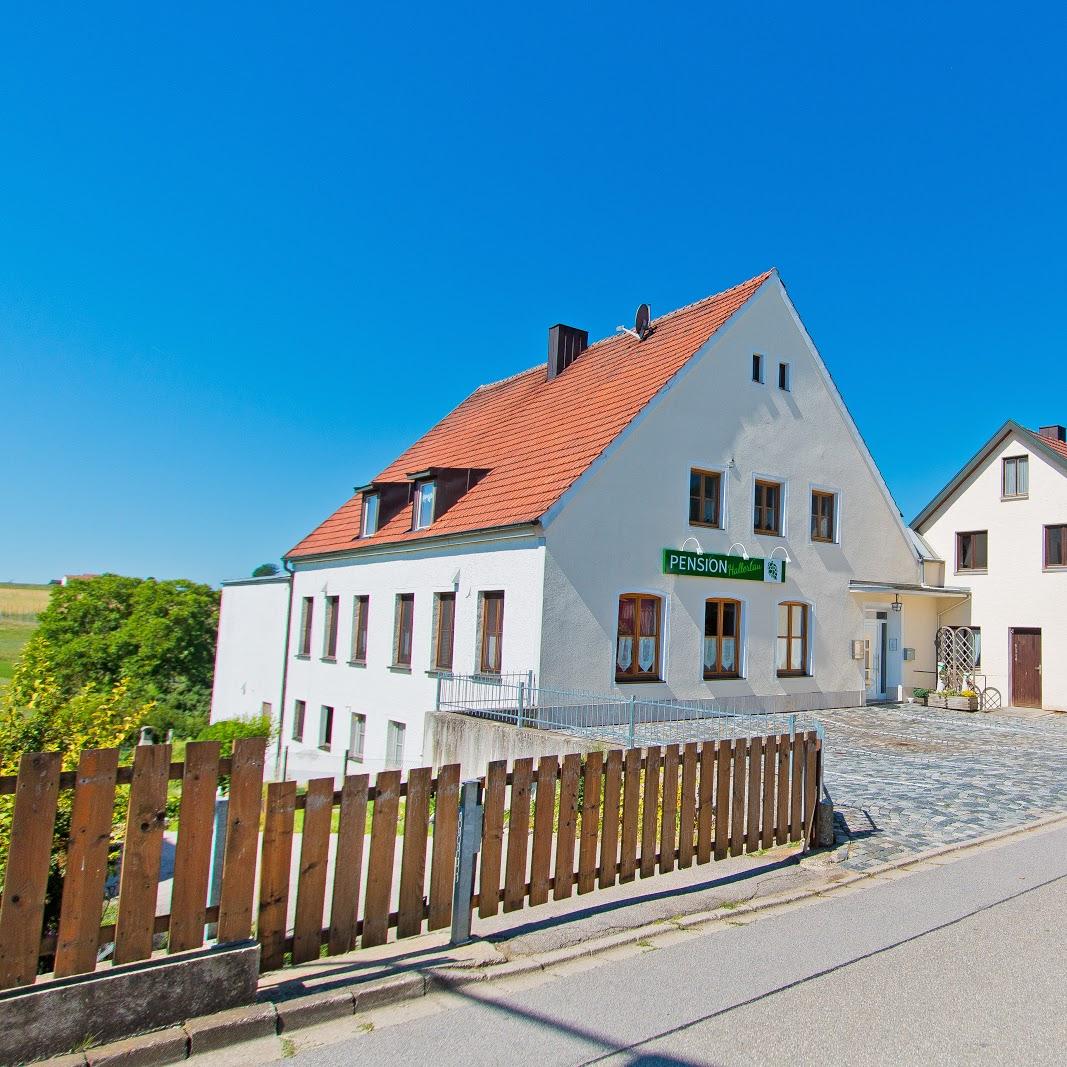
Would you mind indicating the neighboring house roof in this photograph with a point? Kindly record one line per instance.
(1054, 451)
(534, 436)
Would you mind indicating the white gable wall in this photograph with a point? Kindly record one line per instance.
(1016, 591)
(608, 535)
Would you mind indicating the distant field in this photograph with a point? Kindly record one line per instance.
(19, 608)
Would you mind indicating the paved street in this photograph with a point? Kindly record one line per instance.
(907, 779)
(960, 961)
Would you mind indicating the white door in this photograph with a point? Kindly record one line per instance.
(874, 634)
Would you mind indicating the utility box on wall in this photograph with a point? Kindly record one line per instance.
(908, 653)
(858, 649)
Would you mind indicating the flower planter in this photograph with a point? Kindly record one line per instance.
(952, 703)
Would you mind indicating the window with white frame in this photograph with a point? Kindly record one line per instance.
(357, 737)
(394, 745)
(326, 728)
(425, 495)
(369, 523)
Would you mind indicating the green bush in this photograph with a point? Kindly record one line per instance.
(920, 694)
(229, 730)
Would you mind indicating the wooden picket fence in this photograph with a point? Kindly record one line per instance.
(618, 813)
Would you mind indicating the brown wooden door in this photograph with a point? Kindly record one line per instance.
(1026, 668)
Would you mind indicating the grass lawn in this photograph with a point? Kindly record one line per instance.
(13, 635)
(19, 607)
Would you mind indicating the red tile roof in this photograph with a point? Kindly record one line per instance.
(535, 436)
(1058, 446)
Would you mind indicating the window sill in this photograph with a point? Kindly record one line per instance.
(823, 541)
(794, 674)
(972, 570)
(706, 525)
(439, 672)
(636, 681)
(302, 655)
(400, 668)
(1017, 496)
(357, 663)
(324, 748)
(767, 533)
(328, 659)
(722, 677)
(1053, 568)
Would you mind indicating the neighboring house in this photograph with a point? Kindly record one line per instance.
(1002, 525)
(548, 523)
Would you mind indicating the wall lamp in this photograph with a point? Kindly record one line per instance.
(695, 542)
(896, 605)
(737, 544)
(785, 554)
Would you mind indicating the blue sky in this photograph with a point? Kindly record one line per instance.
(248, 252)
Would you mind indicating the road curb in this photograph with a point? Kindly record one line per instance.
(271, 1018)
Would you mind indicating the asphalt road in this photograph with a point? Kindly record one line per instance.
(961, 962)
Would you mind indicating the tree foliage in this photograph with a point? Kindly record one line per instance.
(158, 637)
(265, 570)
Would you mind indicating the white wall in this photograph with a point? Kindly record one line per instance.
(608, 536)
(1016, 591)
(250, 650)
(384, 693)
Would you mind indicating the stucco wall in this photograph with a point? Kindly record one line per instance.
(379, 691)
(608, 536)
(250, 649)
(1016, 591)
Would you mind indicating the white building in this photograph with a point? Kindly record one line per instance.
(1002, 522)
(574, 521)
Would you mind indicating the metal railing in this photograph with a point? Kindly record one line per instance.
(613, 718)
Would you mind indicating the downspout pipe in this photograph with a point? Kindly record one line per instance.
(285, 670)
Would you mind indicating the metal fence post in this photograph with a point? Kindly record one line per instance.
(437, 697)
(218, 852)
(633, 719)
(468, 844)
(522, 694)
(792, 726)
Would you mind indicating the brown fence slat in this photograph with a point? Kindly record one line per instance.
(609, 840)
(811, 788)
(668, 824)
(413, 861)
(568, 814)
(781, 820)
(380, 864)
(141, 851)
(443, 860)
(192, 855)
(348, 863)
(492, 838)
(275, 866)
(544, 829)
(770, 755)
(242, 839)
(705, 809)
(631, 802)
(311, 876)
(737, 813)
(755, 794)
(796, 775)
(650, 812)
(86, 872)
(723, 763)
(518, 834)
(591, 779)
(26, 878)
(687, 810)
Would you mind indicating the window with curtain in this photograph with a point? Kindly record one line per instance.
(637, 647)
(792, 653)
(1015, 479)
(972, 551)
(394, 745)
(357, 738)
(705, 491)
(823, 506)
(722, 638)
(767, 512)
(492, 632)
(1056, 546)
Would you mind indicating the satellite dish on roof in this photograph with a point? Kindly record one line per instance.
(642, 321)
(642, 324)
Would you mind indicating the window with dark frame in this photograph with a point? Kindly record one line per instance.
(1015, 477)
(767, 511)
(445, 631)
(490, 656)
(784, 377)
(637, 646)
(425, 494)
(792, 652)
(307, 611)
(360, 620)
(1056, 546)
(705, 498)
(405, 625)
(357, 737)
(369, 524)
(326, 728)
(757, 367)
(300, 709)
(972, 551)
(823, 506)
(722, 635)
(329, 636)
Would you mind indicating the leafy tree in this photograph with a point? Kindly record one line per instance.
(229, 730)
(265, 570)
(157, 636)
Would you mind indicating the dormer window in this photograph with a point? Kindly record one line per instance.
(370, 515)
(425, 496)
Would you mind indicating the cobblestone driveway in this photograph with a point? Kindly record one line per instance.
(908, 778)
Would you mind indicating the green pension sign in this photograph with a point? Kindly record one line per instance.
(712, 565)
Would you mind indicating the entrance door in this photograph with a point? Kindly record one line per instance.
(874, 630)
(1026, 668)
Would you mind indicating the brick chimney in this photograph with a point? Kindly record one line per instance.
(1053, 433)
(565, 345)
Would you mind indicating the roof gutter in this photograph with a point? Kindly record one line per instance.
(285, 670)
